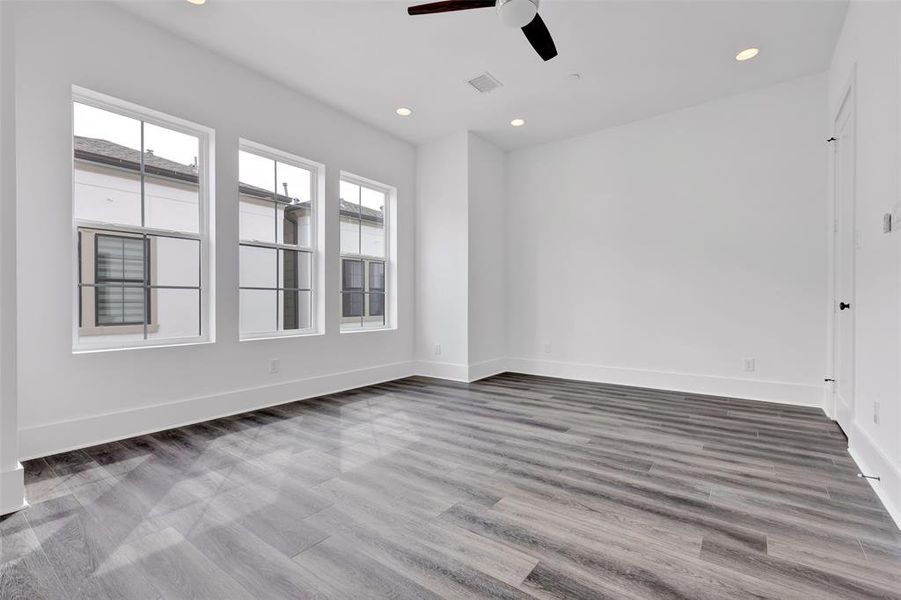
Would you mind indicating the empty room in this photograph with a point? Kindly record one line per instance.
(519, 299)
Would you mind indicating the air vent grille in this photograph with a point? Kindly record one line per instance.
(484, 83)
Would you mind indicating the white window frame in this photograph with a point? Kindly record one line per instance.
(317, 185)
(390, 257)
(204, 236)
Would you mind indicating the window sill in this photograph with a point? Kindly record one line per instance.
(116, 330)
(368, 329)
(162, 344)
(279, 336)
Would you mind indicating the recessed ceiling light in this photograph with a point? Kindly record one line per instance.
(518, 122)
(747, 54)
(404, 111)
(197, 2)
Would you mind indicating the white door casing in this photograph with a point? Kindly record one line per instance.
(844, 171)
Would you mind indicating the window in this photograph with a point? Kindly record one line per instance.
(364, 254)
(277, 198)
(141, 206)
(119, 267)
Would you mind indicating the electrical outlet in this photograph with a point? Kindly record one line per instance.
(750, 365)
(876, 413)
(274, 365)
(437, 350)
(546, 347)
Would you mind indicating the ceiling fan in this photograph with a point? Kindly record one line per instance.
(513, 13)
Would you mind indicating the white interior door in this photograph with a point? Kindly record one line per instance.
(845, 248)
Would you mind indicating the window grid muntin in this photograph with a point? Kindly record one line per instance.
(278, 157)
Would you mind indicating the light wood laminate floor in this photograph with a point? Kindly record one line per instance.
(511, 487)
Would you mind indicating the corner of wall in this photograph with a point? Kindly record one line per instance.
(12, 490)
(11, 473)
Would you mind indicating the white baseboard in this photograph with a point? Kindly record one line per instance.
(12, 490)
(442, 370)
(872, 460)
(461, 372)
(751, 389)
(52, 438)
(487, 368)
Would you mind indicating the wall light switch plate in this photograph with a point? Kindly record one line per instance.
(750, 365)
(274, 366)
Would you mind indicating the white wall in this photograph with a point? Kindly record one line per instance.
(442, 286)
(61, 403)
(487, 245)
(664, 252)
(869, 44)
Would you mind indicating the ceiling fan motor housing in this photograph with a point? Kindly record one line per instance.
(517, 13)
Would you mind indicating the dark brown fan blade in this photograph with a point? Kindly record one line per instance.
(540, 38)
(448, 6)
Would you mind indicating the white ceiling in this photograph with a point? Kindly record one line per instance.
(637, 58)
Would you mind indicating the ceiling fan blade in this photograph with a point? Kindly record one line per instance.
(540, 38)
(448, 6)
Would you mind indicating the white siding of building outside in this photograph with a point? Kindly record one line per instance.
(372, 240)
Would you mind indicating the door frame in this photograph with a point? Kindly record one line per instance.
(848, 97)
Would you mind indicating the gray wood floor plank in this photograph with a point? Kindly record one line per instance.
(42, 483)
(342, 564)
(176, 568)
(826, 582)
(431, 568)
(77, 547)
(263, 571)
(30, 577)
(613, 562)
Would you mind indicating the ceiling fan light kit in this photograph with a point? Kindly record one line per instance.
(517, 13)
(512, 13)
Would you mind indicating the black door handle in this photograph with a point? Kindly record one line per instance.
(843, 305)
